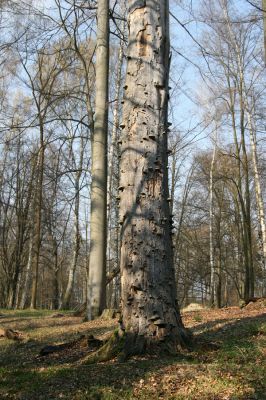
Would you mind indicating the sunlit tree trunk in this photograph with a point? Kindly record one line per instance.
(97, 263)
(149, 307)
(259, 199)
(218, 268)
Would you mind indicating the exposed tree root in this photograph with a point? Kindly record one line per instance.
(90, 342)
(111, 349)
(124, 345)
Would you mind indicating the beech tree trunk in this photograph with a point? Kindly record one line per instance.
(97, 263)
(150, 311)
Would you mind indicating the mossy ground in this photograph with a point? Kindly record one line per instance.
(228, 361)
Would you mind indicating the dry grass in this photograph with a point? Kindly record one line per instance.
(228, 361)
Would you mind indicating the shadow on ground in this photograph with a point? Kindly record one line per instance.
(228, 358)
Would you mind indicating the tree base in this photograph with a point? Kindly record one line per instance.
(110, 313)
(124, 345)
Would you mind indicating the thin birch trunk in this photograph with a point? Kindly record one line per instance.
(259, 199)
(213, 294)
(218, 270)
(246, 205)
(97, 263)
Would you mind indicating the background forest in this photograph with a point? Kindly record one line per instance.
(217, 163)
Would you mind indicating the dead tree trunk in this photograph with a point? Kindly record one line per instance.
(150, 312)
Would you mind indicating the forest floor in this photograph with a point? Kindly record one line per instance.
(228, 361)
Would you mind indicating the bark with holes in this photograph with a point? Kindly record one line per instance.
(150, 314)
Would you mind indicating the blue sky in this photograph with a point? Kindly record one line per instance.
(185, 112)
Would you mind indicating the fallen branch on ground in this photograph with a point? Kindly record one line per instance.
(11, 334)
(90, 342)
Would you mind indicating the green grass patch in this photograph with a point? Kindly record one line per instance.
(198, 317)
(29, 313)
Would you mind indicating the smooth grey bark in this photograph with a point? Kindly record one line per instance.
(150, 311)
(97, 263)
